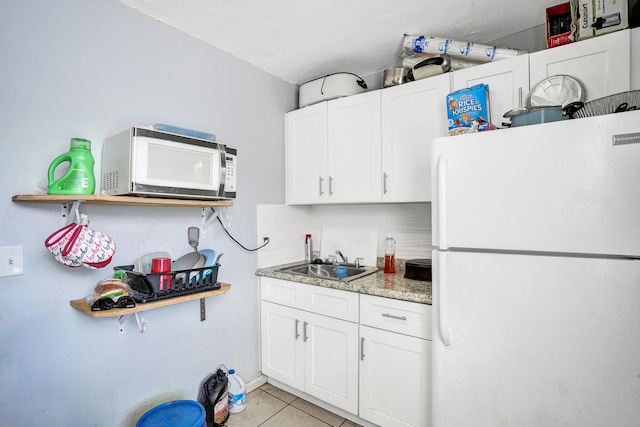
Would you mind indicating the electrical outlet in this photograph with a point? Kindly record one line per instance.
(11, 261)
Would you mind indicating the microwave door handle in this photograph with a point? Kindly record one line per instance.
(223, 169)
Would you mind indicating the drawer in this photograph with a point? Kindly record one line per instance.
(409, 318)
(331, 302)
(281, 292)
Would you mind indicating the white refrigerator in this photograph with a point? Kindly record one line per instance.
(536, 280)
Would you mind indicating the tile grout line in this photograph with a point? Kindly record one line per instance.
(289, 404)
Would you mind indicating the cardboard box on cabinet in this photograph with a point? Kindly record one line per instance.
(559, 25)
(593, 19)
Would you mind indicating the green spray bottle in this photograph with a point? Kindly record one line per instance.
(79, 178)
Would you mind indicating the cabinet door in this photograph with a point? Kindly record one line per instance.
(412, 114)
(395, 379)
(635, 58)
(508, 82)
(602, 63)
(354, 148)
(306, 155)
(331, 361)
(282, 345)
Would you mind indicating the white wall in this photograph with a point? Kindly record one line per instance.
(73, 68)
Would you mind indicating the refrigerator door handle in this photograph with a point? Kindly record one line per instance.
(442, 302)
(443, 163)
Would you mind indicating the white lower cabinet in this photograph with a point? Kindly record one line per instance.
(367, 355)
(282, 346)
(311, 352)
(395, 379)
(395, 362)
(331, 361)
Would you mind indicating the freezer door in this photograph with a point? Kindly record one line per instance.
(553, 187)
(535, 341)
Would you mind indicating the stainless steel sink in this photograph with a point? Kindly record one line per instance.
(326, 271)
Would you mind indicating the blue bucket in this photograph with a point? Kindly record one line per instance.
(178, 413)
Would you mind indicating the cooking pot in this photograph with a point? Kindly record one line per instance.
(524, 116)
(394, 76)
(430, 67)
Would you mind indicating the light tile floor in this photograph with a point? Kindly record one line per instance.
(269, 406)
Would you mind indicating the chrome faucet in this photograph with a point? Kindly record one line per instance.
(344, 259)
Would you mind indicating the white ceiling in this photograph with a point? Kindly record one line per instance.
(299, 40)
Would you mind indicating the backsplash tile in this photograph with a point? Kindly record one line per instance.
(286, 226)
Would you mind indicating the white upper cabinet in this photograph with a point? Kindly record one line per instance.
(412, 115)
(508, 82)
(333, 151)
(602, 63)
(375, 146)
(354, 148)
(306, 154)
(635, 59)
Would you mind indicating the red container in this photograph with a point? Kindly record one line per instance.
(162, 265)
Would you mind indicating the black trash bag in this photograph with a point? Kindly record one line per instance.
(213, 396)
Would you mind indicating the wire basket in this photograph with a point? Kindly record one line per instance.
(619, 102)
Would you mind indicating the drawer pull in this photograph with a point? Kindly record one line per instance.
(394, 317)
(297, 334)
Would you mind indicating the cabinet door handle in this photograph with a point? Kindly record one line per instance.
(361, 348)
(297, 334)
(304, 332)
(384, 183)
(330, 185)
(321, 181)
(394, 316)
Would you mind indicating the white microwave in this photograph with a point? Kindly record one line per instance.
(146, 162)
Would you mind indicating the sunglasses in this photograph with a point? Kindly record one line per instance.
(109, 303)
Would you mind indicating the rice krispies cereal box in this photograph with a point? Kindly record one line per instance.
(467, 108)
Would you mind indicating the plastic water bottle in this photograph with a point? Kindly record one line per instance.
(237, 393)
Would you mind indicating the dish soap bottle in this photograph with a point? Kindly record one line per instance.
(78, 179)
(389, 254)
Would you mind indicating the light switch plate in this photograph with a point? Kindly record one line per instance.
(11, 261)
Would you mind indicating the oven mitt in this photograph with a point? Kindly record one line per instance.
(77, 245)
(57, 241)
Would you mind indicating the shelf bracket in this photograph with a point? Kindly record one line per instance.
(71, 212)
(203, 310)
(142, 323)
(208, 216)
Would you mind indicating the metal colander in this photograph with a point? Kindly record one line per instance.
(616, 103)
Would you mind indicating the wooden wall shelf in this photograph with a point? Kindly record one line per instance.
(81, 305)
(119, 200)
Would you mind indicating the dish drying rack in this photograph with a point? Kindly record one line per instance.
(170, 284)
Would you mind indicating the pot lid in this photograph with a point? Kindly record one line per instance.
(555, 90)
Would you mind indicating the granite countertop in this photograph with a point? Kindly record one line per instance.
(393, 286)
